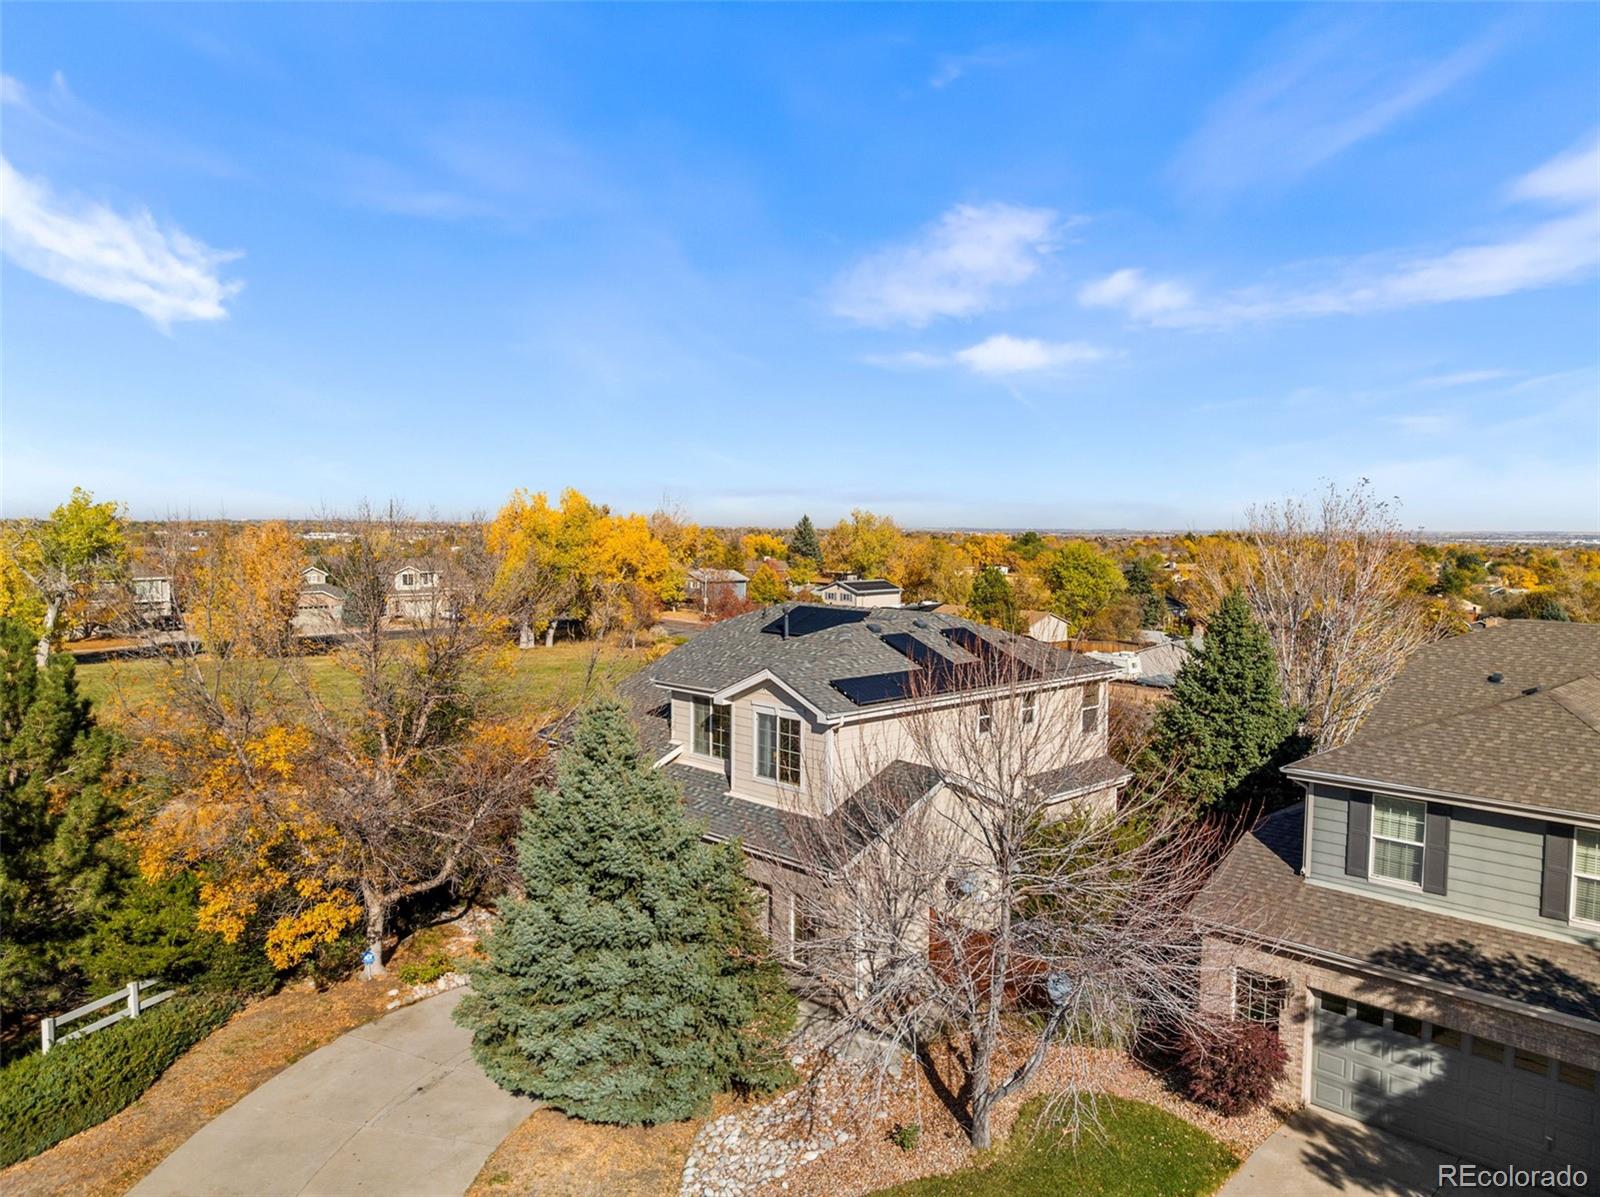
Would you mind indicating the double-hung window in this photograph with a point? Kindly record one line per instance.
(985, 718)
(1586, 875)
(778, 747)
(1091, 709)
(1398, 828)
(1030, 707)
(712, 728)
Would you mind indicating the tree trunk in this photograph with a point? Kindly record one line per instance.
(550, 634)
(375, 921)
(41, 651)
(982, 1103)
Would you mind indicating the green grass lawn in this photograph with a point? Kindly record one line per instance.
(543, 677)
(1139, 1151)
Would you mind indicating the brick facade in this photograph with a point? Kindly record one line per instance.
(1221, 957)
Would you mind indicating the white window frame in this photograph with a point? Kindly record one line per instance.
(1030, 707)
(712, 707)
(1572, 896)
(1086, 706)
(985, 718)
(1373, 838)
(779, 717)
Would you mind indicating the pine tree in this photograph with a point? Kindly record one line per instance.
(630, 984)
(61, 868)
(1227, 726)
(804, 542)
(992, 600)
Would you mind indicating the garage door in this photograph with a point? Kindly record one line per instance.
(1482, 1099)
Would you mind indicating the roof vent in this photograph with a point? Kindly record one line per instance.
(1496, 678)
(921, 623)
(875, 628)
(1533, 689)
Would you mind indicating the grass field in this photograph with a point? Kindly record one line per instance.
(1139, 1151)
(541, 677)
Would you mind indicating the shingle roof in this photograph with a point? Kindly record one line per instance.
(864, 585)
(825, 645)
(1532, 738)
(717, 575)
(323, 588)
(1257, 891)
(1094, 774)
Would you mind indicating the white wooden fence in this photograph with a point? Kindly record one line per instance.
(133, 1000)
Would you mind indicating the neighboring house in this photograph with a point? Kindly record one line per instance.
(1424, 930)
(1046, 626)
(417, 593)
(851, 591)
(793, 719)
(1151, 668)
(705, 587)
(152, 598)
(313, 575)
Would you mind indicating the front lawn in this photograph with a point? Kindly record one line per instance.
(1138, 1151)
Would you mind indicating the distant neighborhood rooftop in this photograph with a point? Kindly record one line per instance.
(865, 585)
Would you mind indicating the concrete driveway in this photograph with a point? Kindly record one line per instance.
(395, 1107)
(1322, 1155)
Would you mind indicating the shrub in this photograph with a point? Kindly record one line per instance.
(906, 1136)
(82, 1082)
(1233, 1071)
(429, 960)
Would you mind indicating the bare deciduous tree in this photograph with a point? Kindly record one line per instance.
(1330, 581)
(995, 897)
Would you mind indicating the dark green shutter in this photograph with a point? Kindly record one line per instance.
(1358, 834)
(1555, 892)
(1436, 849)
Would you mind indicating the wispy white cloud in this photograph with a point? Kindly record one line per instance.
(13, 91)
(951, 67)
(956, 267)
(1563, 248)
(1327, 89)
(1131, 292)
(91, 249)
(1001, 354)
(1460, 378)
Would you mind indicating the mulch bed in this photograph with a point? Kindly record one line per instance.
(870, 1162)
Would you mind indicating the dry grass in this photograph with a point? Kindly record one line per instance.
(552, 1155)
(252, 1047)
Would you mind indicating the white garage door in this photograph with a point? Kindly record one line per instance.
(1473, 1096)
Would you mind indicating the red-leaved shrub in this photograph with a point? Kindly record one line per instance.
(1232, 1070)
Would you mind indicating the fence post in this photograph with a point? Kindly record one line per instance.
(133, 999)
(47, 1032)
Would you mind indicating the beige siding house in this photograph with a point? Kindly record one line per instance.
(776, 722)
(860, 592)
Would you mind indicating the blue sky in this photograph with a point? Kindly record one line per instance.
(974, 266)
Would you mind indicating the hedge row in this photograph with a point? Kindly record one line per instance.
(82, 1082)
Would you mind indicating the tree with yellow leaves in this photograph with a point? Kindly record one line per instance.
(756, 545)
(865, 544)
(50, 568)
(242, 592)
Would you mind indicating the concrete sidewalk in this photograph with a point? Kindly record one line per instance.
(1316, 1154)
(395, 1107)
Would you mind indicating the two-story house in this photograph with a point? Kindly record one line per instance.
(319, 607)
(418, 593)
(1424, 929)
(705, 588)
(789, 720)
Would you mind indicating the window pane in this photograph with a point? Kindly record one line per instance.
(1575, 1074)
(721, 732)
(1372, 1014)
(1586, 899)
(789, 751)
(1091, 718)
(766, 744)
(1400, 862)
(1407, 1025)
(1488, 1049)
(1586, 851)
(1398, 819)
(1532, 1062)
(1335, 1005)
(701, 714)
(1447, 1037)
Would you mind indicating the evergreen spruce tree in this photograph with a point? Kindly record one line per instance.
(61, 868)
(630, 984)
(992, 600)
(804, 542)
(1226, 724)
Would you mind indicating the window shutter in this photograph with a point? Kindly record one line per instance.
(1436, 850)
(1358, 834)
(1555, 892)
